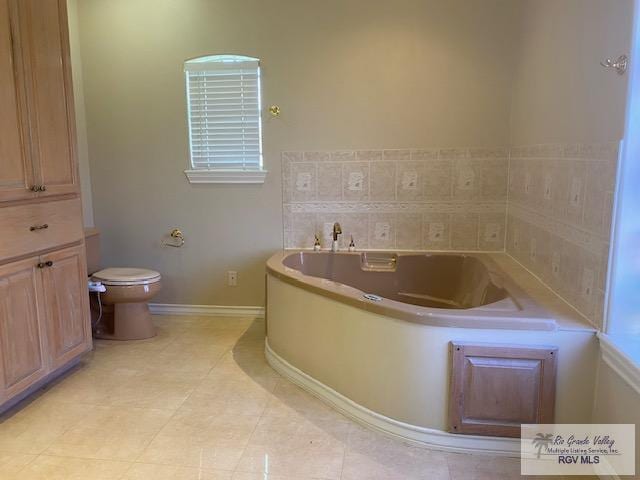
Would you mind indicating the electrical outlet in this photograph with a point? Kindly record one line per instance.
(232, 278)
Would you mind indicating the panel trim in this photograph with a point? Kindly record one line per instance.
(206, 310)
(544, 398)
(414, 434)
(619, 362)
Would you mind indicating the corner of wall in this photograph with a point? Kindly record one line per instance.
(80, 115)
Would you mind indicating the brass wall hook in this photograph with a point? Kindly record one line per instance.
(274, 110)
(178, 238)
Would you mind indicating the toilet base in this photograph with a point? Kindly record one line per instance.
(125, 321)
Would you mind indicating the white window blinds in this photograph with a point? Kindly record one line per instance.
(223, 96)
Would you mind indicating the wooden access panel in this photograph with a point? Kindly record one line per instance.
(495, 388)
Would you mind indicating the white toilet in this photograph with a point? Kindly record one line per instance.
(121, 311)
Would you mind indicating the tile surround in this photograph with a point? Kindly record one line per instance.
(549, 206)
(397, 199)
(559, 218)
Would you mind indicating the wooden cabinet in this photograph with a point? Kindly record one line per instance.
(22, 341)
(16, 172)
(44, 314)
(44, 301)
(66, 304)
(37, 138)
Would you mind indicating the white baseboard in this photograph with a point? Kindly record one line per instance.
(206, 310)
(433, 438)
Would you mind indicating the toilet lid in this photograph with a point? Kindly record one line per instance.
(126, 276)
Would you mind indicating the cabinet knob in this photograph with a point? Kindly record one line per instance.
(43, 188)
(48, 263)
(39, 227)
(40, 265)
(38, 188)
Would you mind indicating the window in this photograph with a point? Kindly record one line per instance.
(621, 342)
(225, 131)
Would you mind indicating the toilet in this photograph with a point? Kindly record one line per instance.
(121, 311)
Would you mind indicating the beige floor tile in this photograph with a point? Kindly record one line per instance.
(267, 476)
(294, 445)
(209, 426)
(90, 385)
(201, 438)
(192, 453)
(111, 433)
(290, 399)
(12, 463)
(296, 428)
(482, 467)
(255, 372)
(147, 471)
(373, 456)
(60, 468)
(230, 397)
(410, 465)
(305, 459)
(33, 428)
(148, 390)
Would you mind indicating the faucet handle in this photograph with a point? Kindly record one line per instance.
(352, 245)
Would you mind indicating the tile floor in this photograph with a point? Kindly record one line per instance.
(199, 402)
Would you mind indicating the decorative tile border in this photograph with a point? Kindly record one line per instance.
(582, 238)
(396, 207)
(601, 151)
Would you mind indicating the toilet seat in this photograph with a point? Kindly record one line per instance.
(126, 276)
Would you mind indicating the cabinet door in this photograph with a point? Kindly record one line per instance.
(45, 49)
(66, 304)
(16, 175)
(22, 342)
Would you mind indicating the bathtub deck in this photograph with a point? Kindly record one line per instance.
(567, 317)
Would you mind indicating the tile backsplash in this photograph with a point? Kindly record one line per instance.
(559, 218)
(548, 206)
(436, 199)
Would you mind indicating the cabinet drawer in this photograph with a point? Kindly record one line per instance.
(25, 229)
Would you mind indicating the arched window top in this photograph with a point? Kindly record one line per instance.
(221, 59)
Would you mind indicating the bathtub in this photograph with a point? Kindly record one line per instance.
(447, 290)
(369, 333)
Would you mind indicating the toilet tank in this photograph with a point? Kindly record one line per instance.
(92, 245)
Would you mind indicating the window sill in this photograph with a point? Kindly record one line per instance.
(623, 356)
(226, 176)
